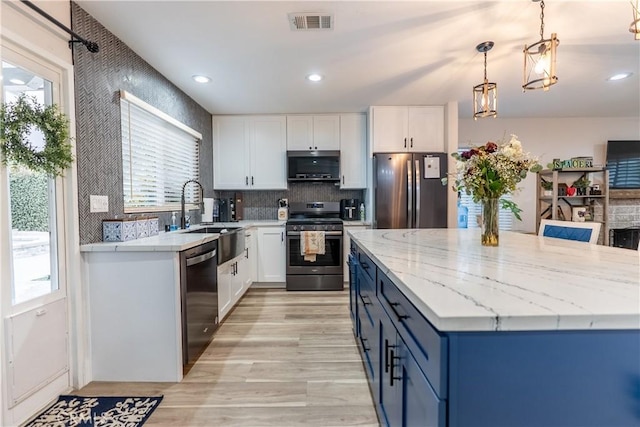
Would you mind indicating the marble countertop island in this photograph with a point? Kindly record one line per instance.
(526, 283)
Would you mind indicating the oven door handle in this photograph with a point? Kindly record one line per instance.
(326, 233)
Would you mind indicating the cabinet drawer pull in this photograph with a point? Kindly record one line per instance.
(391, 377)
(386, 354)
(251, 180)
(398, 315)
(364, 347)
(246, 180)
(362, 297)
(411, 142)
(405, 143)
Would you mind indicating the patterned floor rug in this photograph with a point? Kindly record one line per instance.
(79, 411)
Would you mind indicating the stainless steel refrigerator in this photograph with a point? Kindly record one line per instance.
(409, 191)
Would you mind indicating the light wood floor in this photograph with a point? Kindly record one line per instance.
(280, 359)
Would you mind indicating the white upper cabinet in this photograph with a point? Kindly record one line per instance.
(268, 153)
(249, 153)
(411, 129)
(313, 132)
(230, 147)
(353, 151)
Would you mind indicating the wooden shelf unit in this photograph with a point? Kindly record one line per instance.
(559, 207)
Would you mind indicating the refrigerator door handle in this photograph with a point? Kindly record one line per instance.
(417, 194)
(409, 195)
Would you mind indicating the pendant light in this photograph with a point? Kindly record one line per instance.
(635, 25)
(485, 95)
(540, 60)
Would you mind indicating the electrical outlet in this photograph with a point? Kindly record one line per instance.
(98, 204)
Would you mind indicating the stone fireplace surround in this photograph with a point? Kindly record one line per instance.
(624, 212)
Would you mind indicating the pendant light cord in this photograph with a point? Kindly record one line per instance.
(542, 20)
(485, 65)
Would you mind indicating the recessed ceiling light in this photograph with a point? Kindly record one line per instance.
(201, 79)
(314, 77)
(619, 76)
(16, 81)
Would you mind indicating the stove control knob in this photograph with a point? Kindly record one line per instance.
(295, 228)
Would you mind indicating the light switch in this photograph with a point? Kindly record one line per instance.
(98, 203)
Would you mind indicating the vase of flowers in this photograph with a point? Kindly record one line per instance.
(487, 173)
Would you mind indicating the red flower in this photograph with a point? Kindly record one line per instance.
(491, 147)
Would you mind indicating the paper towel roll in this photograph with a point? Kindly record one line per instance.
(207, 214)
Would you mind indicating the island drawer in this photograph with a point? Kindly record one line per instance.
(367, 265)
(425, 343)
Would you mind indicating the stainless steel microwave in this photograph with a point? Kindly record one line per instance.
(313, 166)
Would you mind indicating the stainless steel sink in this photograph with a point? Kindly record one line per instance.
(230, 242)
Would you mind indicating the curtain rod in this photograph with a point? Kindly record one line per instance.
(91, 46)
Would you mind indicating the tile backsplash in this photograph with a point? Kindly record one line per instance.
(263, 205)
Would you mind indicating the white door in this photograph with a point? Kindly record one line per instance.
(300, 133)
(268, 153)
(326, 132)
(353, 151)
(230, 153)
(426, 129)
(224, 289)
(271, 254)
(389, 126)
(36, 359)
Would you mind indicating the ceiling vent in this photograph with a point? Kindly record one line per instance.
(310, 21)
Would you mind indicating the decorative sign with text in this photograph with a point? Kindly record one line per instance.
(573, 163)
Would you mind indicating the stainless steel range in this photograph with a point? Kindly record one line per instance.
(321, 271)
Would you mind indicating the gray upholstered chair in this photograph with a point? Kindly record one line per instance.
(569, 230)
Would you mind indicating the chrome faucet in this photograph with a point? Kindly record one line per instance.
(183, 220)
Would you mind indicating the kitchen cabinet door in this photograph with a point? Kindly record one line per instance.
(353, 151)
(426, 129)
(225, 277)
(421, 405)
(251, 243)
(238, 268)
(389, 129)
(230, 147)
(300, 133)
(307, 132)
(411, 129)
(271, 254)
(268, 153)
(326, 132)
(390, 370)
(347, 245)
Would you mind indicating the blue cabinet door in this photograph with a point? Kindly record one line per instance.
(421, 405)
(368, 312)
(353, 292)
(390, 388)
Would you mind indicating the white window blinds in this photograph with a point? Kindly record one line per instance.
(159, 154)
(505, 216)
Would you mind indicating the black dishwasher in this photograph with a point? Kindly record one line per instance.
(199, 296)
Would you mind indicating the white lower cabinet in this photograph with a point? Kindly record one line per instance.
(250, 271)
(225, 277)
(271, 254)
(347, 245)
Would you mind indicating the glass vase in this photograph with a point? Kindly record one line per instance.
(490, 222)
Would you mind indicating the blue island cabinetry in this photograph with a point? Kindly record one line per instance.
(423, 377)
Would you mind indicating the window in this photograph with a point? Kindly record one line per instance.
(159, 154)
(32, 201)
(505, 218)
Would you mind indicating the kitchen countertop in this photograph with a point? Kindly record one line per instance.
(173, 241)
(527, 283)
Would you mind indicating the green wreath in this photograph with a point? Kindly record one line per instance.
(18, 119)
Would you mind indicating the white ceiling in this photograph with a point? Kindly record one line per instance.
(382, 53)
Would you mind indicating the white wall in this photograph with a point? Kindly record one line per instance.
(549, 138)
